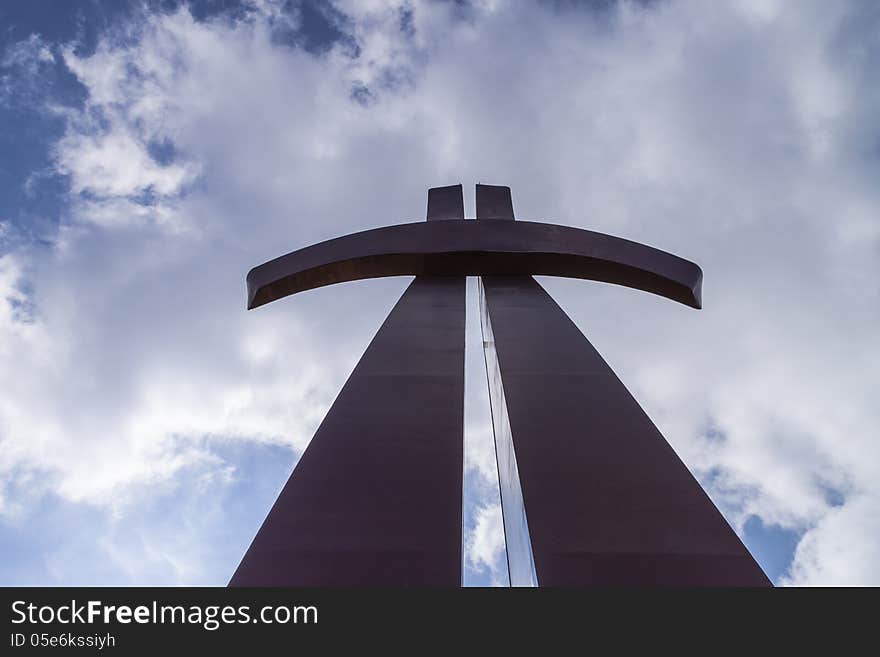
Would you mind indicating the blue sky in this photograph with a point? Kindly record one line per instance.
(152, 152)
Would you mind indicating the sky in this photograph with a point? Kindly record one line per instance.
(151, 153)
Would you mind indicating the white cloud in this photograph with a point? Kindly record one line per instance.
(21, 66)
(737, 136)
(486, 542)
(28, 53)
(844, 536)
(116, 164)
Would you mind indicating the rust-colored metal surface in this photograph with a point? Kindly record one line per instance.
(376, 498)
(607, 500)
(477, 248)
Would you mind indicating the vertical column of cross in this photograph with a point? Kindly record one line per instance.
(494, 203)
(607, 500)
(376, 498)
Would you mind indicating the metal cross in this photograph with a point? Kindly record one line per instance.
(592, 494)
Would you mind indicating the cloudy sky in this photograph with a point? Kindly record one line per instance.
(152, 152)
